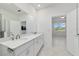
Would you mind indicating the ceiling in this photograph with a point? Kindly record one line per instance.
(53, 5)
(56, 6)
(11, 8)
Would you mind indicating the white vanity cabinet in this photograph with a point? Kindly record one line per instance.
(23, 47)
(34, 46)
(30, 48)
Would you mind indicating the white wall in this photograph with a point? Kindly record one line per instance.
(44, 19)
(31, 25)
(30, 17)
(15, 27)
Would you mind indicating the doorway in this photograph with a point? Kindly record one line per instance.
(59, 31)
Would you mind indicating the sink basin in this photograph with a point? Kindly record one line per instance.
(14, 43)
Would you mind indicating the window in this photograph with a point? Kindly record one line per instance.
(59, 26)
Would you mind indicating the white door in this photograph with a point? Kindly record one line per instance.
(72, 37)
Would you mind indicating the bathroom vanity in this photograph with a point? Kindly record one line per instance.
(27, 45)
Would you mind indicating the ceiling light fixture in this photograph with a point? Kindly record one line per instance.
(38, 5)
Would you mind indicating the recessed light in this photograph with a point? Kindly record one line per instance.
(38, 5)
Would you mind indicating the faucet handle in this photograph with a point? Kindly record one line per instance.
(17, 36)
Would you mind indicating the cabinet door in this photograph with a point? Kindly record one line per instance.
(30, 48)
(24, 50)
(38, 44)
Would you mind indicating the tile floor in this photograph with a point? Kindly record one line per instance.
(58, 49)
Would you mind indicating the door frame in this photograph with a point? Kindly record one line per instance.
(65, 29)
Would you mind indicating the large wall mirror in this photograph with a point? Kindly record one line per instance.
(10, 20)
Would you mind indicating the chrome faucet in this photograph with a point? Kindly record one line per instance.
(17, 36)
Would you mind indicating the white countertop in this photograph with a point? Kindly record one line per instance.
(13, 44)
